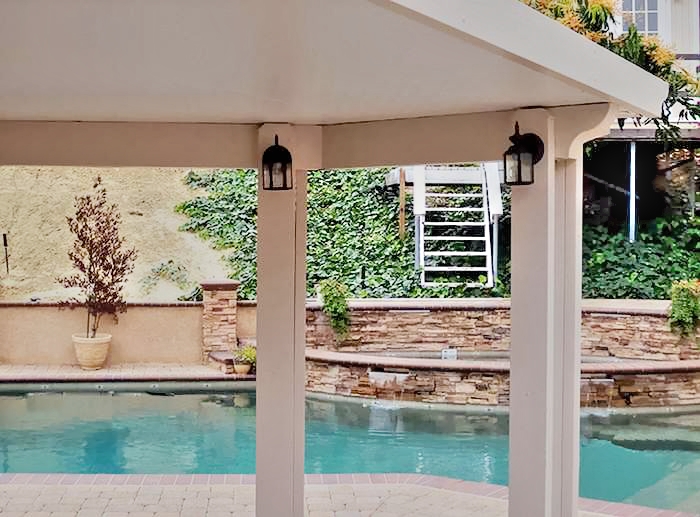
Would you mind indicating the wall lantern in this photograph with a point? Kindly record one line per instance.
(520, 158)
(277, 167)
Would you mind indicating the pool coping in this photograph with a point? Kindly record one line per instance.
(618, 367)
(438, 482)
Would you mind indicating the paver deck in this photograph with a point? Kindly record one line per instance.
(335, 495)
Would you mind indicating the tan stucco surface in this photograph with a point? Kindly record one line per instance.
(42, 335)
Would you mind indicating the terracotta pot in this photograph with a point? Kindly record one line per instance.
(91, 352)
(241, 368)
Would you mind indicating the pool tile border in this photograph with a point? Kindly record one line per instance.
(437, 482)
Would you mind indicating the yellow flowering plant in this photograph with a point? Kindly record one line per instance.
(594, 20)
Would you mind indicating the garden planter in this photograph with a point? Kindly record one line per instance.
(91, 352)
(241, 368)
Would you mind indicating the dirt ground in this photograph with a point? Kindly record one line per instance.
(34, 203)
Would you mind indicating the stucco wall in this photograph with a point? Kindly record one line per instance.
(41, 334)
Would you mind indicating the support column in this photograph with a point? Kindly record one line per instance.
(533, 410)
(280, 340)
(547, 220)
(567, 336)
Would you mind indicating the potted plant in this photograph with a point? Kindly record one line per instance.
(244, 359)
(102, 263)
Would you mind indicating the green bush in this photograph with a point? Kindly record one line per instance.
(666, 251)
(334, 296)
(684, 315)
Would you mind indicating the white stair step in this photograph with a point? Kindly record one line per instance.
(454, 209)
(452, 238)
(455, 268)
(455, 253)
(453, 223)
(456, 284)
(448, 195)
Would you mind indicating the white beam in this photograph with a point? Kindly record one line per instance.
(450, 139)
(128, 144)
(281, 334)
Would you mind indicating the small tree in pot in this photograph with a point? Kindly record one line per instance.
(102, 262)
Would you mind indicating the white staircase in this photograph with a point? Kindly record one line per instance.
(454, 208)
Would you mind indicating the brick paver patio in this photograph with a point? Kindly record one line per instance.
(342, 495)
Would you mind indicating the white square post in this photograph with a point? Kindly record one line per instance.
(547, 223)
(544, 357)
(281, 324)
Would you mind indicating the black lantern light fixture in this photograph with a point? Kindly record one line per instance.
(520, 158)
(277, 167)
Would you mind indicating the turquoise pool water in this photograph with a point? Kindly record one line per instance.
(648, 460)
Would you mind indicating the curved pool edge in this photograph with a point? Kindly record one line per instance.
(230, 387)
(155, 387)
(604, 385)
(496, 410)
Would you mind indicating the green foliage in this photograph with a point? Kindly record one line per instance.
(334, 296)
(227, 216)
(666, 251)
(353, 238)
(684, 315)
(592, 18)
(246, 355)
(352, 232)
(167, 270)
(652, 56)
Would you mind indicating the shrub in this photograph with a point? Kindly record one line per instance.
(684, 314)
(665, 251)
(334, 297)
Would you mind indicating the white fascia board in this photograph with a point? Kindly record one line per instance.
(517, 31)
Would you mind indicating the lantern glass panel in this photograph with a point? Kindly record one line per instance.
(526, 168)
(279, 179)
(511, 167)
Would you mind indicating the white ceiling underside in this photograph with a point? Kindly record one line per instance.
(297, 61)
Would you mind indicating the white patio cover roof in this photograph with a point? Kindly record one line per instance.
(299, 61)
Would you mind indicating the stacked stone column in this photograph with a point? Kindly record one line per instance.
(220, 299)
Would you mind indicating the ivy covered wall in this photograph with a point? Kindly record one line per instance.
(353, 237)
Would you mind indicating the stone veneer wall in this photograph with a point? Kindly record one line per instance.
(430, 386)
(630, 329)
(426, 325)
(633, 336)
(641, 390)
(482, 388)
(219, 315)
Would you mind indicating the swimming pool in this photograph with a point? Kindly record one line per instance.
(644, 459)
